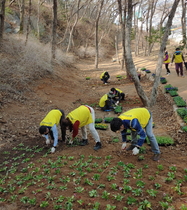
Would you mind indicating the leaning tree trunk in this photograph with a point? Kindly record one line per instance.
(2, 18)
(53, 41)
(161, 53)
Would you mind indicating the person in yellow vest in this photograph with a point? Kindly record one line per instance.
(49, 126)
(167, 61)
(178, 58)
(106, 102)
(105, 77)
(139, 121)
(79, 118)
(118, 95)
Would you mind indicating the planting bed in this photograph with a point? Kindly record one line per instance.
(77, 177)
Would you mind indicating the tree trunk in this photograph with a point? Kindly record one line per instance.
(96, 35)
(2, 18)
(122, 24)
(183, 23)
(28, 23)
(53, 41)
(128, 57)
(22, 14)
(38, 20)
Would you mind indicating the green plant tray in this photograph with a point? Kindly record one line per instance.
(173, 93)
(108, 119)
(184, 128)
(179, 101)
(182, 112)
(118, 109)
(98, 120)
(101, 126)
(87, 78)
(163, 141)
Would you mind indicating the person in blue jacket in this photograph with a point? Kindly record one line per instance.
(139, 121)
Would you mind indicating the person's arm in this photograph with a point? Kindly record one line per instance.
(140, 131)
(75, 129)
(55, 135)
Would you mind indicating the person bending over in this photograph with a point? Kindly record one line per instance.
(139, 121)
(79, 118)
(49, 126)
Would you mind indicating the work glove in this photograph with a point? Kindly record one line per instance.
(53, 149)
(70, 141)
(47, 141)
(123, 146)
(117, 103)
(135, 151)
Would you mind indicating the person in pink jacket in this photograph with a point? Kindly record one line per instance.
(167, 61)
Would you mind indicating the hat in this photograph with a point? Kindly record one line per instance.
(111, 94)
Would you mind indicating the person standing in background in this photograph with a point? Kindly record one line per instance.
(167, 62)
(178, 58)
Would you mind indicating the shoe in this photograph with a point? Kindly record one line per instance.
(83, 142)
(106, 83)
(97, 146)
(167, 74)
(156, 157)
(131, 147)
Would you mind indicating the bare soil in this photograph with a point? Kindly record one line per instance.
(68, 89)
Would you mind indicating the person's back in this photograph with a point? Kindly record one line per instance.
(178, 58)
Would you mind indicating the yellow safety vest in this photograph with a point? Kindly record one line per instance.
(178, 57)
(81, 114)
(52, 118)
(102, 100)
(119, 90)
(102, 75)
(141, 114)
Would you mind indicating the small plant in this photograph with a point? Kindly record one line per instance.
(44, 204)
(141, 157)
(93, 193)
(131, 201)
(160, 167)
(118, 197)
(105, 195)
(157, 185)
(152, 192)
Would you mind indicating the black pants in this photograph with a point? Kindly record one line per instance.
(167, 68)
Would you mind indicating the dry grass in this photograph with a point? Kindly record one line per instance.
(21, 66)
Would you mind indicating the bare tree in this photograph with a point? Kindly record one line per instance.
(75, 23)
(28, 22)
(128, 55)
(22, 16)
(53, 41)
(96, 34)
(161, 53)
(2, 18)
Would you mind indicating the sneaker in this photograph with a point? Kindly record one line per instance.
(167, 74)
(84, 142)
(97, 146)
(106, 83)
(131, 147)
(156, 157)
